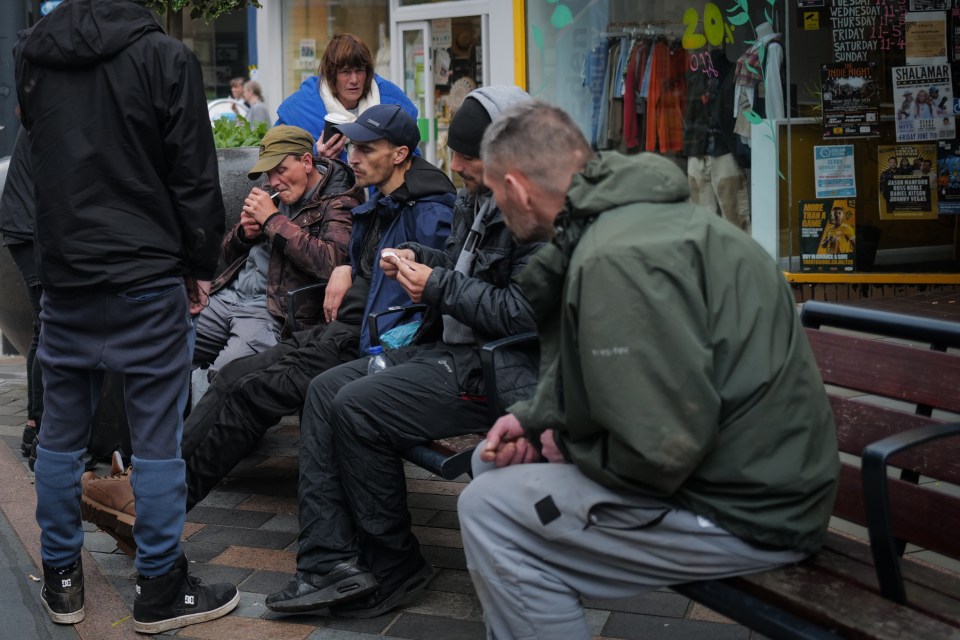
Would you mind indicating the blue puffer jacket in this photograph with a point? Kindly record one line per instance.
(305, 108)
(421, 212)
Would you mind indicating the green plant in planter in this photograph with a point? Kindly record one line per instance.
(238, 133)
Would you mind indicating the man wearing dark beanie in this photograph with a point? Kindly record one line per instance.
(432, 389)
(468, 124)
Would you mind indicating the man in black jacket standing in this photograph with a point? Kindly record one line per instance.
(129, 218)
(358, 554)
(16, 225)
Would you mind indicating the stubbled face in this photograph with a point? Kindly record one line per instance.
(372, 162)
(350, 83)
(470, 169)
(837, 217)
(291, 177)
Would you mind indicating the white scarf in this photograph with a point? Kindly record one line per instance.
(335, 106)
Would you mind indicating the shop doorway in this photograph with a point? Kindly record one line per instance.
(440, 61)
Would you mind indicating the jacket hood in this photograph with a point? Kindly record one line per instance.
(339, 179)
(81, 32)
(612, 180)
(423, 179)
(498, 98)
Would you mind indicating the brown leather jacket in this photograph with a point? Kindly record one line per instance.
(304, 249)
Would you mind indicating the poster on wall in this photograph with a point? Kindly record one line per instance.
(954, 31)
(851, 100)
(908, 182)
(948, 177)
(834, 170)
(923, 99)
(926, 37)
(828, 239)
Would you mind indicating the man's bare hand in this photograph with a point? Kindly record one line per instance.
(340, 280)
(506, 444)
(549, 448)
(331, 148)
(198, 293)
(259, 205)
(412, 276)
(390, 260)
(251, 228)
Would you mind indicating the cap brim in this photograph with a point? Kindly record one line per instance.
(266, 163)
(358, 132)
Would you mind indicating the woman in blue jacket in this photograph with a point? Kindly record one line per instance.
(346, 85)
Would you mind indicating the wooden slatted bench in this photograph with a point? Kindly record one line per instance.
(896, 404)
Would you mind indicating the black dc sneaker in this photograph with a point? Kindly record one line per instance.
(177, 599)
(62, 593)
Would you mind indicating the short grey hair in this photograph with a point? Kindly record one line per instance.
(538, 139)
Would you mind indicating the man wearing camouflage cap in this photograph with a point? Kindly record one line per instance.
(293, 237)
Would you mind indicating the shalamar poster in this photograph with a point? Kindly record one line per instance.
(828, 238)
(908, 181)
(923, 99)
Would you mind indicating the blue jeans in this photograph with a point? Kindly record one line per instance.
(145, 334)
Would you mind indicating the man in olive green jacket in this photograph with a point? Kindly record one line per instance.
(675, 381)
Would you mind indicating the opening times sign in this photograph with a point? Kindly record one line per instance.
(862, 27)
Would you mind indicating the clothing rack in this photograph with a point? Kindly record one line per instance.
(651, 30)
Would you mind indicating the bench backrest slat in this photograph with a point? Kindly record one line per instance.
(860, 423)
(912, 374)
(879, 387)
(921, 514)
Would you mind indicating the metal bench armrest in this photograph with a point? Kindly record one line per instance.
(374, 318)
(292, 303)
(487, 361)
(876, 501)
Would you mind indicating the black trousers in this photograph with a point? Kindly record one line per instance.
(25, 258)
(249, 395)
(352, 492)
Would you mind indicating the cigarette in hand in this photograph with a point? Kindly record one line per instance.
(397, 260)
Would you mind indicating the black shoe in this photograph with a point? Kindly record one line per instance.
(380, 602)
(32, 460)
(62, 593)
(310, 592)
(26, 440)
(177, 599)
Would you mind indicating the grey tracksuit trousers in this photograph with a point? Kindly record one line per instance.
(538, 537)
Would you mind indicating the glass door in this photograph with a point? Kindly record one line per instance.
(438, 76)
(417, 73)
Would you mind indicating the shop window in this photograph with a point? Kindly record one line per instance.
(221, 47)
(308, 25)
(836, 85)
(875, 82)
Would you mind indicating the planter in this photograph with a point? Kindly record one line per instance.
(234, 164)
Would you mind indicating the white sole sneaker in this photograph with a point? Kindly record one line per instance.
(182, 621)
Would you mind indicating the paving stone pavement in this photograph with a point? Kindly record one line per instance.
(245, 532)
